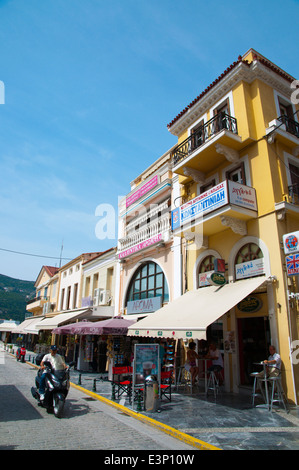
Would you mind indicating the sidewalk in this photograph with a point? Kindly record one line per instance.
(227, 423)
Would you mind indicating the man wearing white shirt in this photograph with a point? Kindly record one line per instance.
(57, 363)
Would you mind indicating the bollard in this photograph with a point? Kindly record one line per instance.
(113, 391)
(79, 379)
(94, 388)
(139, 401)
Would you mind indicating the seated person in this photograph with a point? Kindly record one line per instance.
(273, 364)
(217, 361)
(57, 363)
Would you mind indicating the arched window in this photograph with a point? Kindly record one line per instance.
(248, 252)
(149, 281)
(207, 264)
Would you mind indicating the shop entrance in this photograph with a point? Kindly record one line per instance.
(254, 339)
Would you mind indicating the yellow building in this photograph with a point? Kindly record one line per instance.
(238, 167)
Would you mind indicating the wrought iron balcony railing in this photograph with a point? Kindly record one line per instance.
(203, 134)
(291, 126)
(294, 193)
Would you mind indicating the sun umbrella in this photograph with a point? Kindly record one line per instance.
(112, 326)
(71, 329)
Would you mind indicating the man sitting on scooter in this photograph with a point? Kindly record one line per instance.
(57, 363)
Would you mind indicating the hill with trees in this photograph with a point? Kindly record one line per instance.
(14, 294)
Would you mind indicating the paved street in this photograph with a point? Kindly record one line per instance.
(87, 424)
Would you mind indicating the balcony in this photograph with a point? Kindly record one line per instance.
(285, 130)
(140, 237)
(291, 126)
(228, 204)
(221, 129)
(36, 304)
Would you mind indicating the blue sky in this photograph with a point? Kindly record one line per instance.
(90, 87)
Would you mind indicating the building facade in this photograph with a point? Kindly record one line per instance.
(235, 197)
(145, 250)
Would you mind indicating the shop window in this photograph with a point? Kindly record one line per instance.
(149, 281)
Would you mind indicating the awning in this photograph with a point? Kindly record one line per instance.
(30, 328)
(22, 327)
(53, 322)
(8, 326)
(189, 315)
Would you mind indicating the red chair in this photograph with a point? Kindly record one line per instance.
(122, 379)
(165, 386)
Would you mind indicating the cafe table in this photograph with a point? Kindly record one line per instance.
(205, 371)
(265, 380)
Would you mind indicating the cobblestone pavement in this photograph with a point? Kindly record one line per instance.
(87, 423)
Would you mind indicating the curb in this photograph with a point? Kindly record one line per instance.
(198, 444)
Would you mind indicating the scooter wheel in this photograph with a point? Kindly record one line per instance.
(58, 406)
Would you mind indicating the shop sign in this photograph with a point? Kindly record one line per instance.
(256, 267)
(216, 197)
(241, 195)
(144, 305)
(145, 188)
(203, 279)
(216, 279)
(250, 304)
(140, 246)
(291, 242)
(200, 205)
(292, 262)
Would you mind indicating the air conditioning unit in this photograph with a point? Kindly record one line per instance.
(105, 296)
(96, 298)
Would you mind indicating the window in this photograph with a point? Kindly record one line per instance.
(248, 252)
(197, 135)
(294, 187)
(149, 281)
(207, 264)
(222, 112)
(237, 174)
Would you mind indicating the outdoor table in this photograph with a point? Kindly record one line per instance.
(262, 363)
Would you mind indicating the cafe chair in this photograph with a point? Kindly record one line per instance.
(213, 383)
(257, 385)
(165, 386)
(277, 393)
(122, 380)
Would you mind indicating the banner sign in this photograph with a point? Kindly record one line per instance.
(140, 246)
(256, 267)
(227, 192)
(142, 190)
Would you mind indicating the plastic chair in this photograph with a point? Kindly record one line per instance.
(165, 386)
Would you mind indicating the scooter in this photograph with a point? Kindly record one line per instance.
(21, 353)
(57, 385)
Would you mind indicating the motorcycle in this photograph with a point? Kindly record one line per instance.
(21, 353)
(57, 385)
